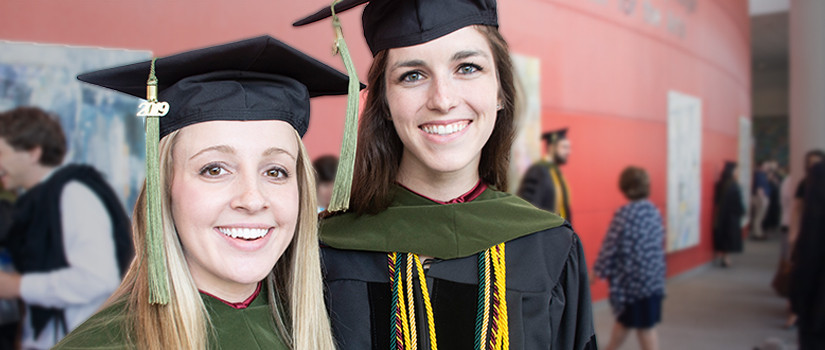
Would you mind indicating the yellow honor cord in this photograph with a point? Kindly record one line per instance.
(411, 302)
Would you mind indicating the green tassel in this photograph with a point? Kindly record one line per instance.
(158, 284)
(346, 163)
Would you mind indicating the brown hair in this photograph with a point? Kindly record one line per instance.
(26, 128)
(634, 183)
(379, 148)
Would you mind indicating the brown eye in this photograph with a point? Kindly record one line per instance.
(212, 170)
(277, 173)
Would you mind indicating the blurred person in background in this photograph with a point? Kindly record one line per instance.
(760, 200)
(325, 169)
(811, 158)
(807, 292)
(543, 185)
(728, 211)
(9, 308)
(781, 279)
(632, 259)
(68, 257)
(773, 215)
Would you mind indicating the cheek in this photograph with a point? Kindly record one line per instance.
(191, 204)
(285, 204)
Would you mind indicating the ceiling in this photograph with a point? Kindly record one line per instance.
(769, 41)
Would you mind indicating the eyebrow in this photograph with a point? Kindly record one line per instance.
(218, 148)
(458, 56)
(276, 150)
(408, 64)
(228, 149)
(468, 53)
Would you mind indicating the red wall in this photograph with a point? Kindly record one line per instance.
(605, 72)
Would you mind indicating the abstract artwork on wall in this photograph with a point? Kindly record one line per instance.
(684, 181)
(100, 125)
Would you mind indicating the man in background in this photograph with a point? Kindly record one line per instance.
(325, 169)
(543, 184)
(70, 237)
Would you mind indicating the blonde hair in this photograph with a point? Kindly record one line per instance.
(294, 284)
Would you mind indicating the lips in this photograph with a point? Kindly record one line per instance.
(444, 129)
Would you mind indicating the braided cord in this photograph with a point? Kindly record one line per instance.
(427, 305)
(405, 325)
(500, 267)
(413, 338)
(395, 332)
(494, 310)
(482, 309)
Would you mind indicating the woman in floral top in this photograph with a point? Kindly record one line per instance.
(632, 259)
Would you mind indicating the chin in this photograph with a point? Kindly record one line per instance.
(447, 164)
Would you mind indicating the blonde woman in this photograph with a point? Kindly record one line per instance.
(238, 206)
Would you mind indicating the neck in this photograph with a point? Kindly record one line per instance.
(230, 291)
(442, 186)
(37, 174)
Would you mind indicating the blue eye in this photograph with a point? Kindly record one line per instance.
(468, 68)
(411, 77)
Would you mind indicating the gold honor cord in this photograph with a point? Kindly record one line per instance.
(343, 178)
(153, 110)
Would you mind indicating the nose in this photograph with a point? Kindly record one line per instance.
(442, 96)
(250, 198)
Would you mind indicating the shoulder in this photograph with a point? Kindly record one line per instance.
(107, 329)
(548, 252)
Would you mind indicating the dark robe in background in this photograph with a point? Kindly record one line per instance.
(548, 294)
(539, 187)
(807, 292)
(727, 219)
(35, 239)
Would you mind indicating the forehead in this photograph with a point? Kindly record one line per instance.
(253, 136)
(465, 39)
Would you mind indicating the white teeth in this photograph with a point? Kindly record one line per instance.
(445, 129)
(245, 233)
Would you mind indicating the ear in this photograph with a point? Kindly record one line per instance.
(35, 154)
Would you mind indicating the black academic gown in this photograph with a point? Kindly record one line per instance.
(548, 295)
(538, 188)
(728, 211)
(807, 288)
(248, 328)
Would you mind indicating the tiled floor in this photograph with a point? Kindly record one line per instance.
(711, 308)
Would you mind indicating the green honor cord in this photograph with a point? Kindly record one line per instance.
(343, 178)
(158, 284)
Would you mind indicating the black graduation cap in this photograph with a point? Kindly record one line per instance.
(400, 23)
(254, 79)
(555, 135)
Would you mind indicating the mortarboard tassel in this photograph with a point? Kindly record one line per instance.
(343, 177)
(153, 110)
